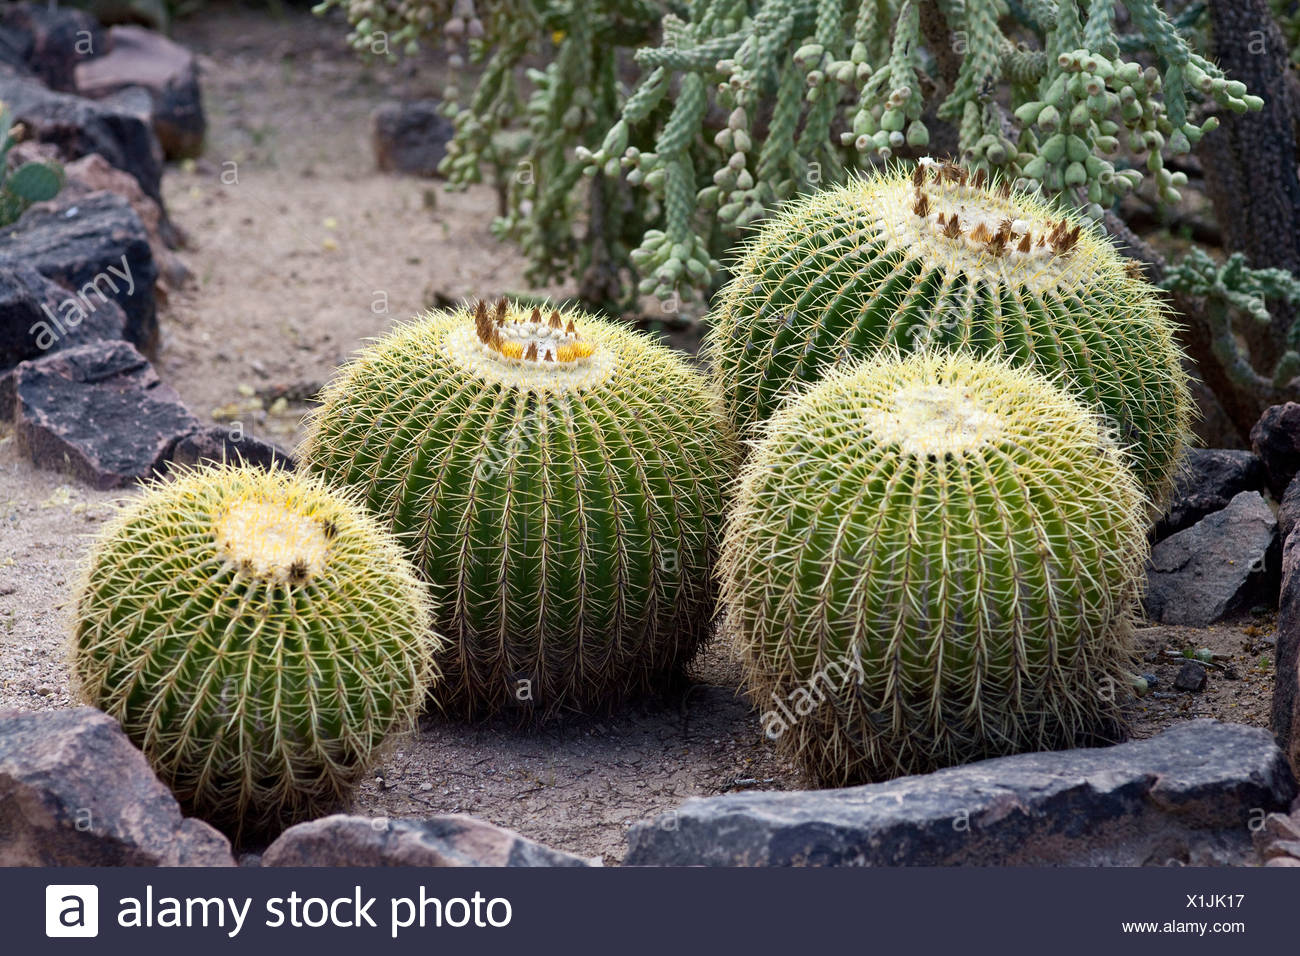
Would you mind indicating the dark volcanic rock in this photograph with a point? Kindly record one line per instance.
(98, 248)
(92, 174)
(453, 840)
(1208, 479)
(410, 137)
(216, 444)
(49, 41)
(79, 127)
(1276, 440)
(33, 310)
(1285, 716)
(1188, 795)
(75, 792)
(169, 72)
(99, 412)
(1190, 677)
(1224, 563)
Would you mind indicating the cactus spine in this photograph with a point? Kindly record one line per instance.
(558, 479)
(258, 636)
(940, 257)
(932, 560)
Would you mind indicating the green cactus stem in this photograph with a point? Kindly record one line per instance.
(933, 560)
(559, 480)
(258, 636)
(939, 257)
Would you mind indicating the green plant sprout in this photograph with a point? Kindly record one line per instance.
(29, 183)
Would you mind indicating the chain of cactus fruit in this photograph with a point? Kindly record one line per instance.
(809, 89)
(31, 182)
(258, 636)
(932, 560)
(559, 479)
(938, 257)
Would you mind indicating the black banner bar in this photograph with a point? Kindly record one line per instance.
(666, 912)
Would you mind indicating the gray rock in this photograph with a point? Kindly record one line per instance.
(1285, 714)
(99, 412)
(75, 792)
(79, 127)
(1224, 563)
(1276, 440)
(1208, 479)
(410, 137)
(95, 246)
(1279, 836)
(35, 319)
(452, 840)
(1191, 677)
(1288, 512)
(166, 70)
(1187, 795)
(216, 444)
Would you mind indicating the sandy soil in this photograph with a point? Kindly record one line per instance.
(311, 251)
(292, 266)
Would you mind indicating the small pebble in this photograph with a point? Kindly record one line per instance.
(1191, 677)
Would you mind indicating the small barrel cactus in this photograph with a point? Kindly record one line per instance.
(559, 480)
(258, 636)
(942, 258)
(932, 560)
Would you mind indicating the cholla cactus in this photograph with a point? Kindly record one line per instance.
(258, 636)
(937, 256)
(809, 89)
(932, 561)
(1233, 285)
(559, 479)
(521, 123)
(1072, 99)
(1287, 14)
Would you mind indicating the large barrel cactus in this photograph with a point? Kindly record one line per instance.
(258, 636)
(936, 257)
(933, 560)
(559, 480)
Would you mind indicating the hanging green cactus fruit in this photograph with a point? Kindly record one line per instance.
(258, 636)
(932, 560)
(559, 479)
(939, 257)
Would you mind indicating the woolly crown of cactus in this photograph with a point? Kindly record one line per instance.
(559, 480)
(937, 257)
(258, 636)
(932, 560)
